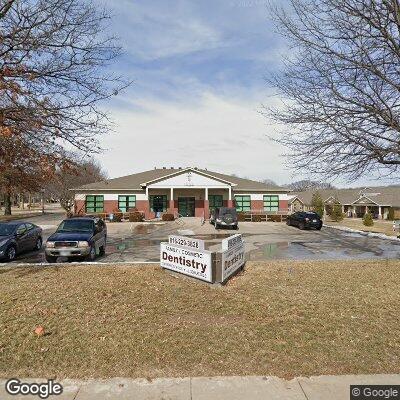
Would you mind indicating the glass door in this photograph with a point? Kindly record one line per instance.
(186, 206)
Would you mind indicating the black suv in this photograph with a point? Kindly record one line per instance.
(79, 237)
(224, 217)
(304, 220)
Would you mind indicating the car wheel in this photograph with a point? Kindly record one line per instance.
(288, 222)
(302, 226)
(92, 254)
(38, 244)
(51, 259)
(11, 253)
(319, 227)
(102, 250)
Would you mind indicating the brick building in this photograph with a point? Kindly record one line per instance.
(184, 191)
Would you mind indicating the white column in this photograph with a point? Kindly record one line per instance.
(172, 194)
(147, 193)
(230, 193)
(380, 212)
(206, 194)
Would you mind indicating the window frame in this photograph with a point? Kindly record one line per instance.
(269, 202)
(127, 201)
(164, 202)
(239, 200)
(211, 201)
(98, 203)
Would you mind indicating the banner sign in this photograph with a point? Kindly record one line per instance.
(232, 241)
(232, 260)
(187, 242)
(187, 261)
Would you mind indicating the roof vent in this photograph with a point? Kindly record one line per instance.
(171, 167)
(164, 167)
(179, 167)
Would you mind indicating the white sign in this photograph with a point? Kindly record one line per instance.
(232, 260)
(186, 261)
(187, 242)
(231, 241)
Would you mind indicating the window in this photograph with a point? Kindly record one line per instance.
(271, 203)
(94, 204)
(243, 203)
(158, 203)
(215, 200)
(125, 203)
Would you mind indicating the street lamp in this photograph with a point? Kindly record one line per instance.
(42, 191)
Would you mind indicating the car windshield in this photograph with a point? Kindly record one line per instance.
(224, 211)
(312, 215)
(6, 229)
(76, 225)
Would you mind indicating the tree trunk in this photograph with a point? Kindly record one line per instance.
(7, 203)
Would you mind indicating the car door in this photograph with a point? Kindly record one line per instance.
(31, 234)
(22, 238)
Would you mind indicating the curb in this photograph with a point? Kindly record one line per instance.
(363, 233)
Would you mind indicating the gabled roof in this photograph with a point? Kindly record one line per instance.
(135, 181)
(379, 195)
(179, 171)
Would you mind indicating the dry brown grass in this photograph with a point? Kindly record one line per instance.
(278, 318)
(379, 226)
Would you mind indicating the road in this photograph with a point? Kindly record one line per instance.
(138, 242)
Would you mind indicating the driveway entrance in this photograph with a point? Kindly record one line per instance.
(186, 206)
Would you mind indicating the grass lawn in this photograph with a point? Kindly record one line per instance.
(379, 226)
(277, 318)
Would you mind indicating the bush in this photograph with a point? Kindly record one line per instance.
(241, 216)
(317, 204)
(257, 218)
(391, 214)
(368, 220)
(168, 217)
(117, 215)
(136, 216)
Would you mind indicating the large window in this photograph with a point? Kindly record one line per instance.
(271, 203)
(215, 200)
(243, 203)
(94, 204)
(158, 203)
(125, 203)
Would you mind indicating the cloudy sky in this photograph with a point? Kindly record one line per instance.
(199, 69)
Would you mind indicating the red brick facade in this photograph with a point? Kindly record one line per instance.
(201, 206)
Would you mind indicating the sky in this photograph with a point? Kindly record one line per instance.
(199, 71)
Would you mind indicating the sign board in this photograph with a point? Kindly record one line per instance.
(396, 225)
(231, 241)
(232, 260)
(187, 242)
(195, 263)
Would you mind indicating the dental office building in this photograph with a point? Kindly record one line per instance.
(189, 192)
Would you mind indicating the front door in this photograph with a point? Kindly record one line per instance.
(186, 206)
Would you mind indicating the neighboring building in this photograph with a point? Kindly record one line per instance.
(354, 202)
(184, 191)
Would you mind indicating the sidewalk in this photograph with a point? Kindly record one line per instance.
(216, 388)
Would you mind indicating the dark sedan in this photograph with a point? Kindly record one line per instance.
(305, 220)
(17, 237)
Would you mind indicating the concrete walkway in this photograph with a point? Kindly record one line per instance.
(218, 388)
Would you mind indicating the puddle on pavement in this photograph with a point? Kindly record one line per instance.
(143, 229)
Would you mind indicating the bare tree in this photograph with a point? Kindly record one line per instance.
(71, 176)
(53, 79)
(304, 185)
(340, 86)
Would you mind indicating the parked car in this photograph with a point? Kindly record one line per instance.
(224, 217)
(77, 238)
(304, 220)
(17, 237)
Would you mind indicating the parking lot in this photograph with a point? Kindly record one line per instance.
(139, 242)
